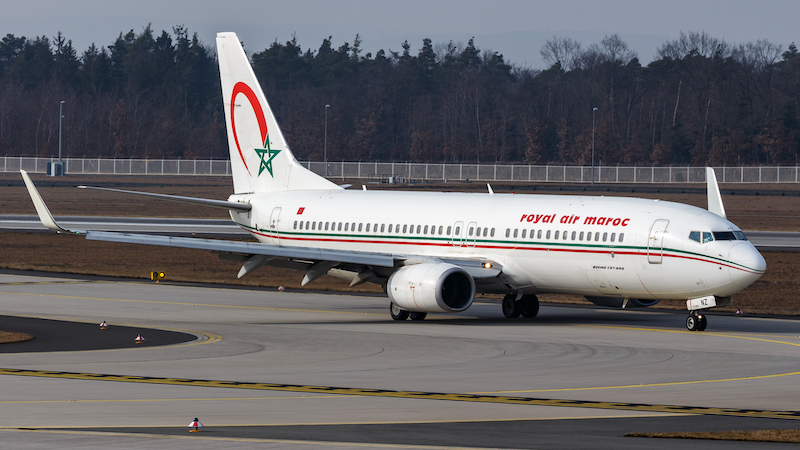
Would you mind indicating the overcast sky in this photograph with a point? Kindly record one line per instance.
(516, 29)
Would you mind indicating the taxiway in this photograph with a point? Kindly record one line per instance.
(269, 369)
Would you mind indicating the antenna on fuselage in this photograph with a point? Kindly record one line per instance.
(714, 197)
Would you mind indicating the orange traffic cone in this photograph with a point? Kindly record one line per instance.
(195, 424)
(139, 339)
(103, 325)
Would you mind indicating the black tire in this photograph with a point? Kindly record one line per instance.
(691, 323)
(511, 308)
(417, 315)
(397, 312)
(530, 306)
(702, 322)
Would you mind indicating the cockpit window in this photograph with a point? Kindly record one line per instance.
(707, 237)
(724, 236)
(740, 235)
(695, 236)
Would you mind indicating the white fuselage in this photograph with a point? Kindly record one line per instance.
(593, 246)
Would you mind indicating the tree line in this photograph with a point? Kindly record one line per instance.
(700, 101)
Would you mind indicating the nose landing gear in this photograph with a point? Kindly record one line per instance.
(696, 321)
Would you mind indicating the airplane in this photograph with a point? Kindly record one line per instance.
(433, 251)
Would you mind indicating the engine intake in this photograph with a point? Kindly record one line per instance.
(616, 302)
(431, 287)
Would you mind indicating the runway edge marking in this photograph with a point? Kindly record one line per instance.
(477, 398)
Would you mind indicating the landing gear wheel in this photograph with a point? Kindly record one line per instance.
(511, 308)
(691, 322)
(397, 312)
(702, 322)
(417, 315)
(530, 306)
(696, 322)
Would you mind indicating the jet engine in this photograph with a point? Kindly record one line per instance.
(617, 302)
(431, 287)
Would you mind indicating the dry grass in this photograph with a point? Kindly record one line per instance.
(774, 293)
(10, 337)
(785, 436)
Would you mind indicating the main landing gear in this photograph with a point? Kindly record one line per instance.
(696, 321)
(515, 305)
(399, 313)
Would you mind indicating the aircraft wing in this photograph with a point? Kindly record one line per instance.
(247, 248)
(255, 254)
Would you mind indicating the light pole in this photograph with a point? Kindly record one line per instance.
(60, 117)
(325, 157)
(594, 110)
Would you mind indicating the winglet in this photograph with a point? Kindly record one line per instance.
(714, 197)
(41, 208)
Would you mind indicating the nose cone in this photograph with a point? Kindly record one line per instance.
(748, 263)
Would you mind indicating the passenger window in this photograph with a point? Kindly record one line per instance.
(383, 227)
(533, 234)
(539, 236)
(390, 228)
(605, 236)
(367, 228)
(492, 233)
(695, 236)
(613, 235)
(589, 236)
(597, 236)
(707, 237)
(353, 227)
(295, 224)
(565, 235)
(458, 231)
(418, 228)
(375, 228)
(515, 232)
(360, 226)
(548, 234)
(556, 234)
(581, 236)
(523, 233)
(573, 235)
(441, 228)
(425, 230)
(405, 227)
(340, 226)
(478, 231)
(313, 225)
(621, 236)
(508, 232)
(320, 226)
(326, 225)
(449, 229)
(471, 230)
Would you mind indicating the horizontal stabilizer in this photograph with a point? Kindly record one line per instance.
(224, 204)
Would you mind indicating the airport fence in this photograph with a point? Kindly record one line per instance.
(403, 172)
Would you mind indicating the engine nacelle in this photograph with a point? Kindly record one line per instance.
(616, 302)
(431, 287)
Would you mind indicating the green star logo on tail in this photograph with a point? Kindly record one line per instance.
(267, 153)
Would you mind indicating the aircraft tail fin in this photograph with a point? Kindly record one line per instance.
(260, 157)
